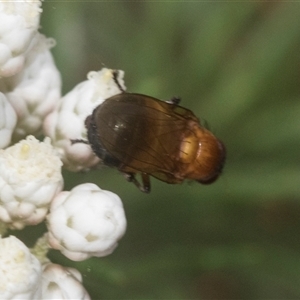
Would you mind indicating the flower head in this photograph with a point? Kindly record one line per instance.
(62, 283)
(20, 271)
(30, 177)
(19, 21)
(35, 90)
(85, 222)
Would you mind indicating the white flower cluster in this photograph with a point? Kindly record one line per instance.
(29, 78)
(62, 283)
(24, 277)
(34, 91)
(19, 23)
(84, 222)
(20, 271)
(30, 177)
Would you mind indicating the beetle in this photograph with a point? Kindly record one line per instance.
(136, 133)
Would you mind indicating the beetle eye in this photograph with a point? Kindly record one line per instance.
(87, 121)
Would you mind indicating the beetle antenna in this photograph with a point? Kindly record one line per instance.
(115, 74)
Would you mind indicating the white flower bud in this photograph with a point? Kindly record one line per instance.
(35, 90)
(85, 222)
(62, 283)
(20, 271)
(68, 120)
(19, 21)
(30, 177)
(8, 121)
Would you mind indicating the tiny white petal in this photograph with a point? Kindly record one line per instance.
(62, 283)
(85, 222)
(30, 177)
(8, 121)
(67, 121)
(20, 271)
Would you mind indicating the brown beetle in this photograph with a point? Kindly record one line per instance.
(140, 134)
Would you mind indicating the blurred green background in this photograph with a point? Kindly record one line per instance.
(237, 66)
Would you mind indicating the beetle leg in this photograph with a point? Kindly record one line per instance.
(77, 141)
(146, 183)
(174, 100)
(115, 74)
(145, 179)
